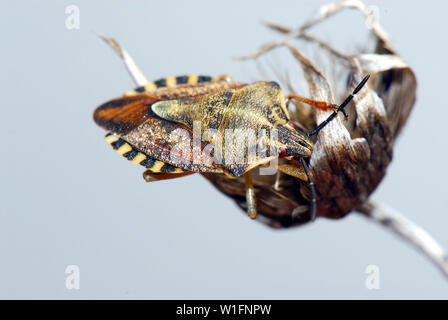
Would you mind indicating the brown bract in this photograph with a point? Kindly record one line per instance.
(350, 158)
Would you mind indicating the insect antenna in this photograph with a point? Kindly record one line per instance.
(312, 189)
(340, 107)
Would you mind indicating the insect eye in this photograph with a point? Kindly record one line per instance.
(281, 152)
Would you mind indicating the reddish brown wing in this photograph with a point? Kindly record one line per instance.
(124, 114)
(131, 118)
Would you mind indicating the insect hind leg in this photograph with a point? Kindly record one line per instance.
(151, 176)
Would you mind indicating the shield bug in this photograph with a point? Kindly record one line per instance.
(154, 126)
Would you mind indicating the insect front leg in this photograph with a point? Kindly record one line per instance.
(251, 200)
(303, 173)
(293, 171)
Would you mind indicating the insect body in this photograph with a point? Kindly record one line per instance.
(155, 126)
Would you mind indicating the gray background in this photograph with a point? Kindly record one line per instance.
(67, 198)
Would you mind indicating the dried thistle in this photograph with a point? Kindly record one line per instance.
(350, 157)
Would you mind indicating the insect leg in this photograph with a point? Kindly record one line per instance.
(293, 171)
(312, 189)
(225, 78)
(251, 200)
(150, 176)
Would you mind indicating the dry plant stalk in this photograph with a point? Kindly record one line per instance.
(350, 158)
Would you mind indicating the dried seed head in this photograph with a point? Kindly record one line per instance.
(349, 159)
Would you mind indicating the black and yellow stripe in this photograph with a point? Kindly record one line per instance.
(135, 155)
(179, 80)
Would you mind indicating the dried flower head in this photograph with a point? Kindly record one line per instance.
(350, 157)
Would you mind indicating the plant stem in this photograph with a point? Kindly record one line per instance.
(408, 231)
